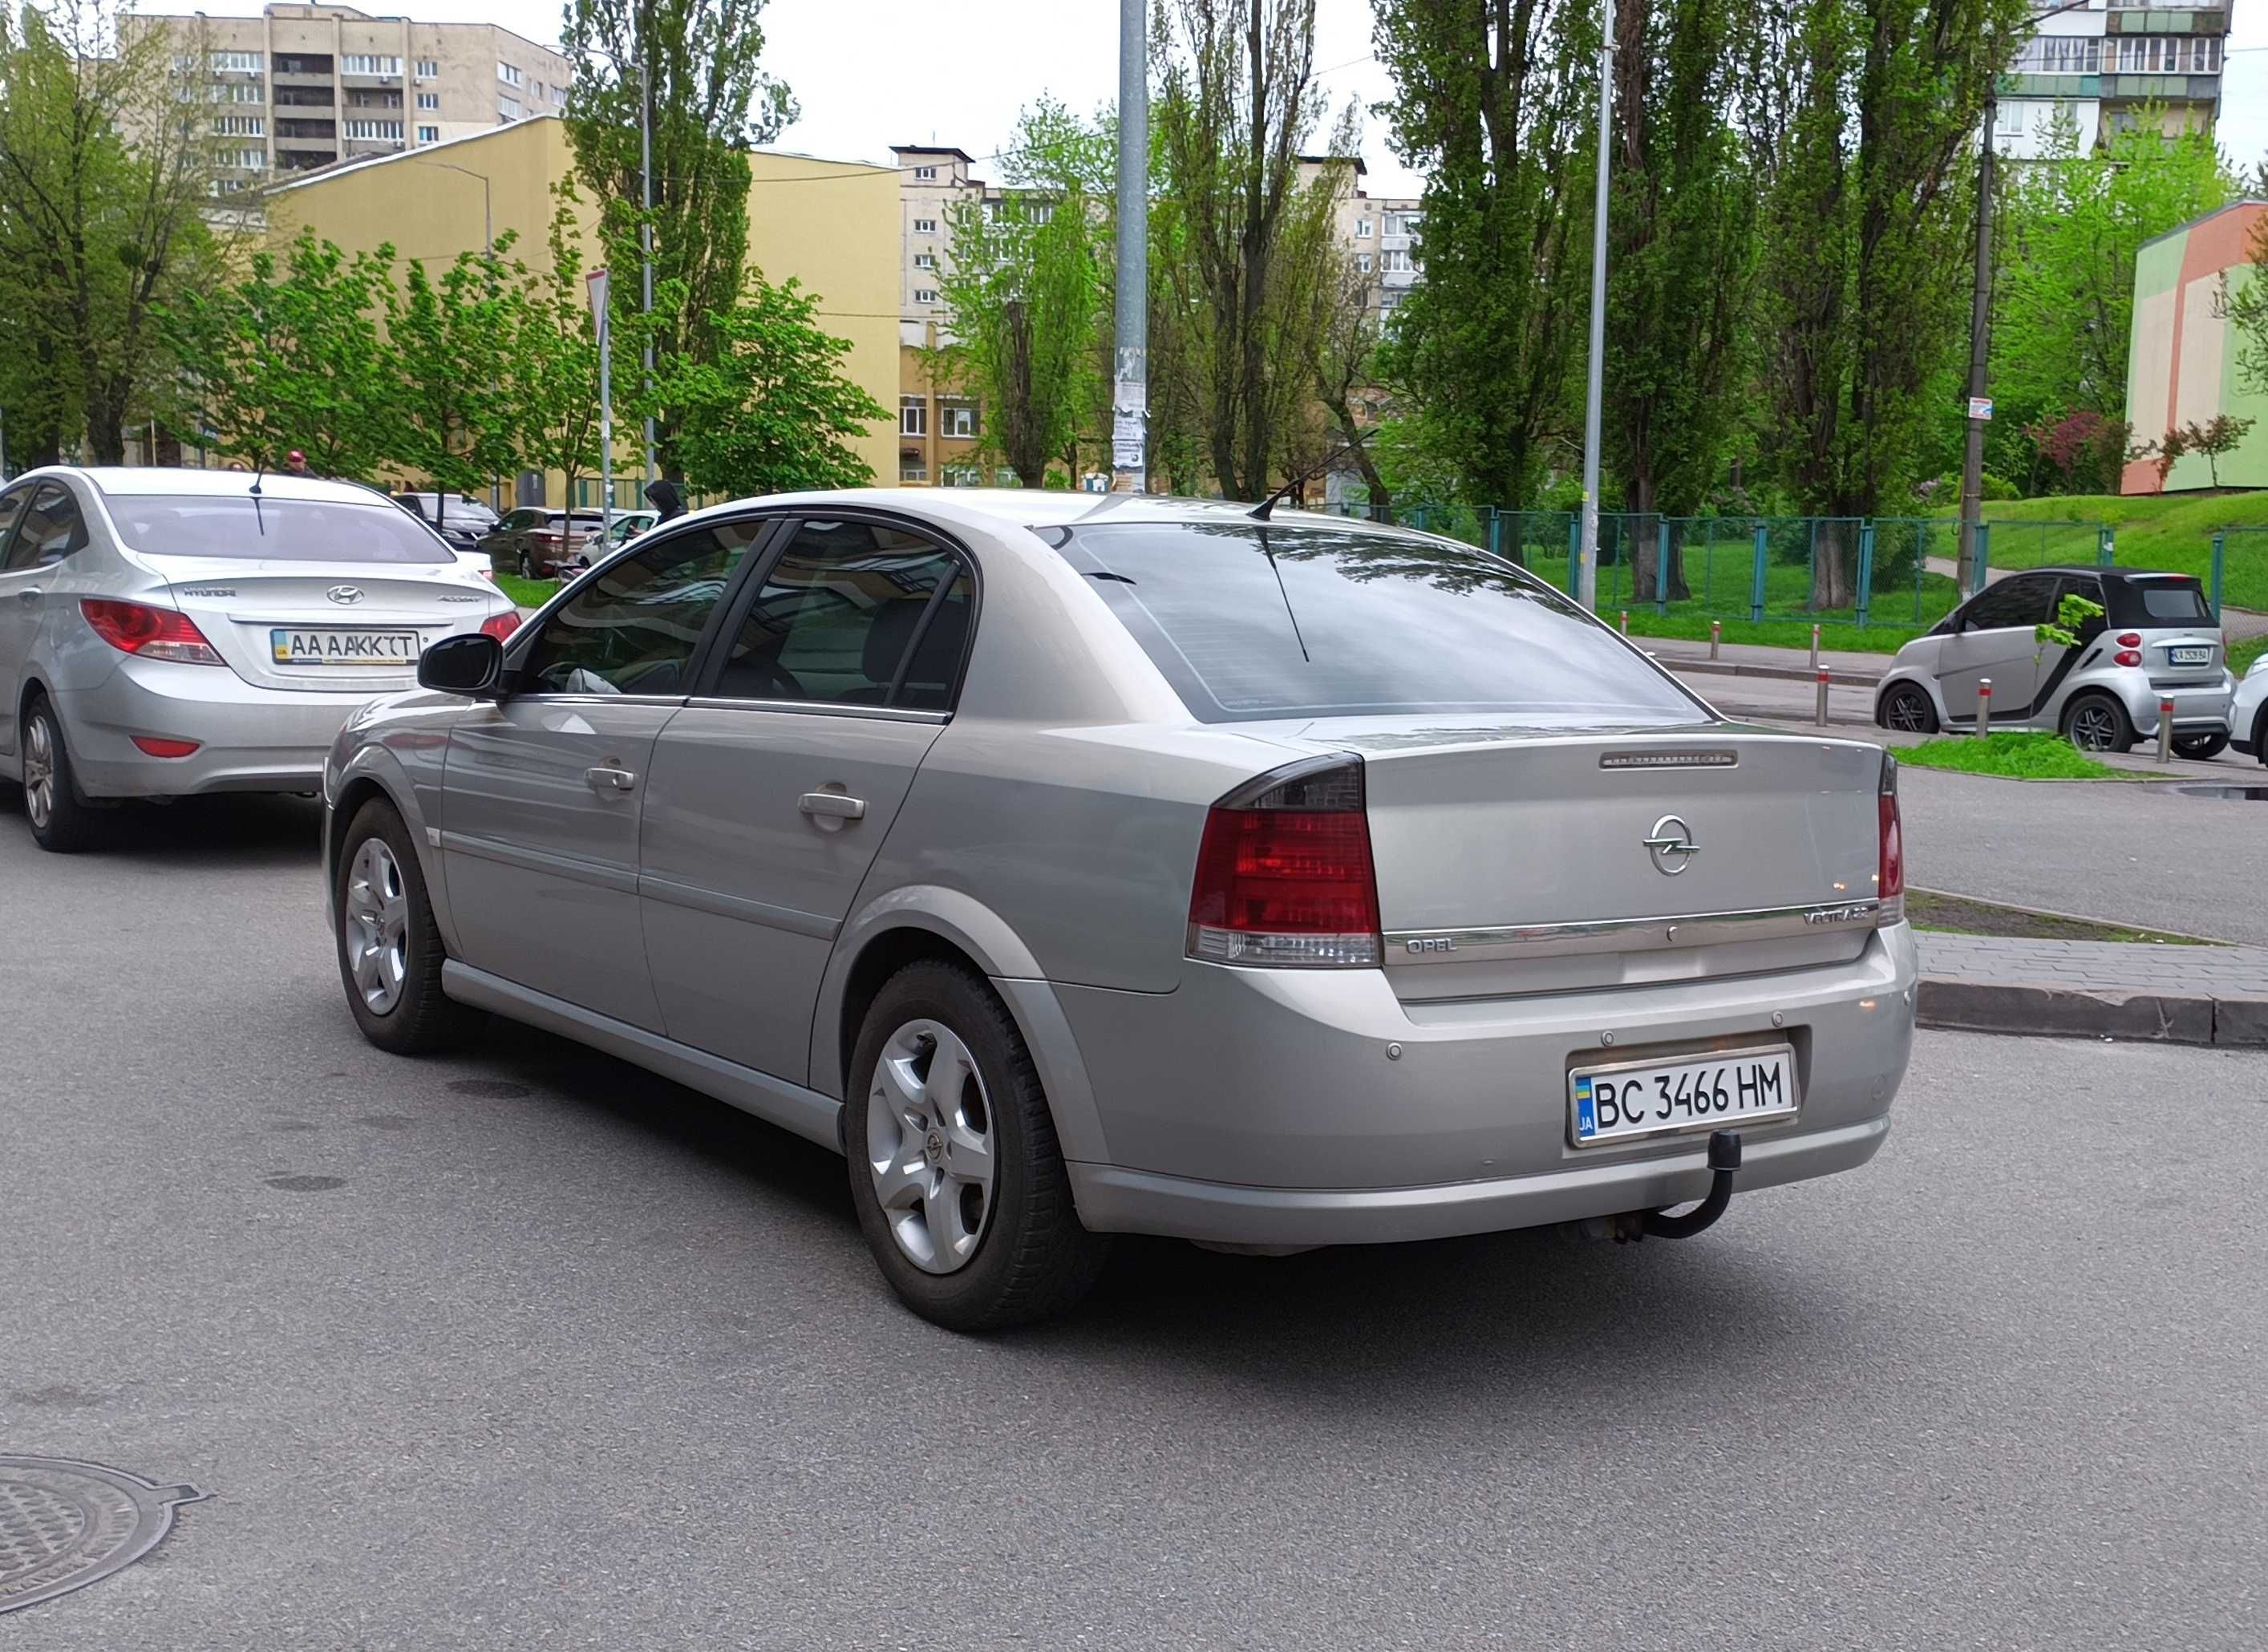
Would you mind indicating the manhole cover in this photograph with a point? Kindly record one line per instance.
(66, 1524)
(2227, 793)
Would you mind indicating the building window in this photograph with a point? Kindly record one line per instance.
(924, 261)
(429, 133)
(1362, 229)
(958, 419)
(2060, 55)
(1395, 261)
(429, 68)
(925, 227)
(1389, 300)
(354, 64)
(913, 416)
(375, 129)
(508, 73)
(428, 100)
(1403, 222)
(240, 125)
(912, 470)
(1362, 263)
(235, 63)
(507, 108)
(535, 91)
(924, 295)
(237, 92)
(924, 171)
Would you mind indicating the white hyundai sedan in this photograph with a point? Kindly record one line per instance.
(166, 633)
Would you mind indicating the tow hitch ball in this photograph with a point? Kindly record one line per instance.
(1724, 1159)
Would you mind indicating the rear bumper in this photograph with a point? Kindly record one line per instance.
(2202, 709)
(1263, 1107)
(249, 739)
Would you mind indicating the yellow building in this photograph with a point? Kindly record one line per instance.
(832, 225)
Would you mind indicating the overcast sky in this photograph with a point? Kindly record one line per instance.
(871, 73)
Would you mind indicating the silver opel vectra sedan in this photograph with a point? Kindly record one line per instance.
(166, 633)
(1080, 867)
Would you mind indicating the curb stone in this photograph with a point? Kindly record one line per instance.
(2057, 1012)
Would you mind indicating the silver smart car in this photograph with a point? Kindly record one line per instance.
(1081, 867)
(166, 632)
(2156, 641)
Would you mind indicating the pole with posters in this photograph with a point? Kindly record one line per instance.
(596, 284)
(1129, 387)
(1587, 547)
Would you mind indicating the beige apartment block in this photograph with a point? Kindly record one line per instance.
(304, 87)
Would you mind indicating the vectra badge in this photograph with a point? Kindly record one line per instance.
(1850, 912)
(1671, 845)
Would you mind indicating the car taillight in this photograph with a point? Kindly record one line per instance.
(2129, 639)
(1284, 875)
(500, 625)
(544, 536)
(1890, 848)
(153, 745)
(153, 634)
(2126, 657)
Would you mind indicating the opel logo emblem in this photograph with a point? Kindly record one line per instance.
(345, 596)
(1671, 845)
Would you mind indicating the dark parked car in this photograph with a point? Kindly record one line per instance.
(539, 543)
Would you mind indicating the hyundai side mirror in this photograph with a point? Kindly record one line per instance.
(471, 665)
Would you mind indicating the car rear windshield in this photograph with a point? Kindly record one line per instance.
(2157, 602)
(1264, 620)
(252, 528)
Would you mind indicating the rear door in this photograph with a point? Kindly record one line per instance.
(772, 792)
(23, 596)
(543, 790)
(2181, 642)
(1996, 638)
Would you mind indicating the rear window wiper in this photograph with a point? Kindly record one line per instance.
(1102, 573)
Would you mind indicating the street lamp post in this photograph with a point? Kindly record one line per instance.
(1586, 552)
(646, 227)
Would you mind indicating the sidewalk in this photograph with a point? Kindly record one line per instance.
(2096, 989)
(1849, 666)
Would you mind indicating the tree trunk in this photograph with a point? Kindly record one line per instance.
(1832, 585)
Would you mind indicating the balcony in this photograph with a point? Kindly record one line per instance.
(1393, 243)
(300, 134)
(305, 97)
(2161, 88)
(2073, 87)
(2149, 20)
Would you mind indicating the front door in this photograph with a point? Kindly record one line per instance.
(543, 790)
(772, 792)
(1996, 639)
(52, 528)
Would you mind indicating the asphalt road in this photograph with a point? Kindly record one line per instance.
(551, 1354)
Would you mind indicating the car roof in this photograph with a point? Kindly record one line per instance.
(118, 481)
(998, 508)
(2076, 571)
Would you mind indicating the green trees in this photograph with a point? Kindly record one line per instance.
(710, 101)
(1026, 293)
(103, 169)
(2063, 304)
(770, 412)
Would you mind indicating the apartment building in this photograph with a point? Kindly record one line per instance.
(1379, 232)
(2104, 66)
(303, 86)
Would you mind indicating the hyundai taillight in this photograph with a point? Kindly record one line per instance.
(500, 625)
(152, 633)
(159, 746)
(1890, 848)
(1284, 875)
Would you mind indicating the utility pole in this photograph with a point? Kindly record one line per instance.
(596, 282)
(1980, 333)
(646, 237)
(1129, 391)
(1587, 553)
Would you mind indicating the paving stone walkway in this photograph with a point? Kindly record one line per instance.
(2216, 995)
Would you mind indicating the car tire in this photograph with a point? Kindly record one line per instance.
(2260, 737)
(1906, 709)
(2097, 722)
(389, 946)
(2200, 748)
(959, 1186)
(61, 821)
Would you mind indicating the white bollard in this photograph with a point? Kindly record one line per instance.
(2165, 731)
(1716, 636)
(1822, 698)
(1815, 648)
(1983, 706)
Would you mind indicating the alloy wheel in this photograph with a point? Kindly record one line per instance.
(39, 770)
(1906, 712)
(2093, 727)
(377, 925)
(929, 1146)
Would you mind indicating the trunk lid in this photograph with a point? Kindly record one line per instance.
(1516, 860)
(241, 605)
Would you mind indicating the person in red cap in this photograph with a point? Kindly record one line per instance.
(296, 462)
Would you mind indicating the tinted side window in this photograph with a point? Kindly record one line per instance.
(52, 529)
(846, 615)
(12, 508)
(633, 628)
(2019, 602)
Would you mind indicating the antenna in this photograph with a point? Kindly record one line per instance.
(1262, 512)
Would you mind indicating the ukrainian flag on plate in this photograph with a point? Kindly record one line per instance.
(1586, 1115)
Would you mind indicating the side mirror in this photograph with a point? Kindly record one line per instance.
(471, 665)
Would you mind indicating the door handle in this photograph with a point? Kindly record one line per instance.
(28, 595)
(832, 805)
(610, 779)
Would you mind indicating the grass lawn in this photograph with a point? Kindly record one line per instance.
(2170, 531)
(2013, 755)
(526, 592)
(2242, 652)
(1962, 915)
(1683, 622)
(1721, 577)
